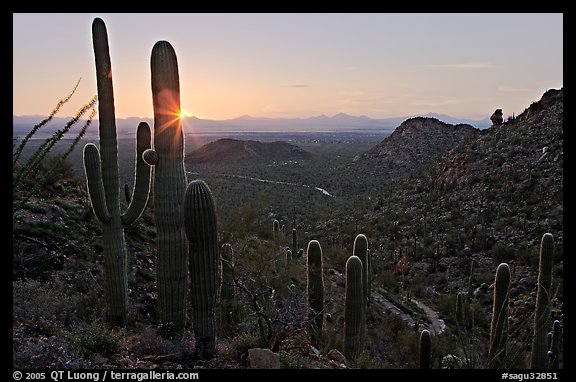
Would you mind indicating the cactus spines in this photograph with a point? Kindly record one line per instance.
(276, 229)
(227, 291)
(539, 357)
(353, 309)
(555, 345)
(169, 188)
(315, 287)
(425, 349)
(102, 180)
(499, 324)
(360, 249)
(202, 232)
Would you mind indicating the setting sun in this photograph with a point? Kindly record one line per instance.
(183, 113)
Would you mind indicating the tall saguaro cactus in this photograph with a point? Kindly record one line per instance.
(169, 187)
(539, 357)
(425, 349)
(360, 249)
(499, 325)
(315, 287)
(202, 232)
(353, 309)
(101, 168)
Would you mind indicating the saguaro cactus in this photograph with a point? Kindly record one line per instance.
(425, 349)
(315, 287)
(276, 229)
(101, 168)
(294, 242)
(539, 357)
(554, 354)
(360, 249)
(499, 325)
(227, 290)
(169, 187)
(353, 308)
(202, 232)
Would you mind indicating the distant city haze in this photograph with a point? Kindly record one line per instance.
(297, 65)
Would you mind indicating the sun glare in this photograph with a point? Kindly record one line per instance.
(183, 113)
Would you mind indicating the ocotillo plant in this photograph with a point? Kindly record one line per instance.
(555, 345)
(425, 349)
(101, 168)
(315, 287)
(360, 250)
(227, 290)
(539, 357)
(169, 188)
(353, 309)
(202, 232)
(499, 325)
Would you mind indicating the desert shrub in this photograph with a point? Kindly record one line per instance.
(95, 337)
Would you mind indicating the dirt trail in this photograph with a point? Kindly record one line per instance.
(435, 325)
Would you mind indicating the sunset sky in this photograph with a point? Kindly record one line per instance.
(297, 65)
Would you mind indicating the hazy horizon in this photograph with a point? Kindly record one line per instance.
(297, 65)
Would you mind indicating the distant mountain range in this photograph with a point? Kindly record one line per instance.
(338, 123)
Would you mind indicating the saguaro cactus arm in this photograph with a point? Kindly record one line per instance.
(94, 183)
(143, 173)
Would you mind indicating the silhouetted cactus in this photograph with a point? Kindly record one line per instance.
(101, 168)
(353, 309)
(202, 232)
(360, 250)
(315, 288)
(539, 357)
(499, 324)
(425, 349)
(288, 256)
(555, 345)
(169, 188)
(227, 290)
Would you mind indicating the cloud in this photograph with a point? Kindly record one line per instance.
(465, 65)
(299, 86)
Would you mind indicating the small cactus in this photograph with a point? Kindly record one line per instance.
(202, 232)
(425, 349)
(499, 325)
(460, 316)
(353, 309)
(315, 288)
(539, 357)
(275, 229)
(294, 243)
(227, 290)
(555, 345)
